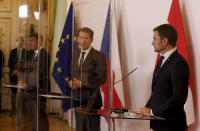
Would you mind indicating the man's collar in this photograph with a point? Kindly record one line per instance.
(87, 50)
(36, 51)
(169, 52)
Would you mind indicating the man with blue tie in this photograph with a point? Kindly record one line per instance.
(170, 83)
(37, 82)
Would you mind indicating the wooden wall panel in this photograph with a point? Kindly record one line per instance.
(5, 5)
(5, 31)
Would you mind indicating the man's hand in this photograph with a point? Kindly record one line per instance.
(15, 72)
(145, 111)
(74, 83)
(22, 84)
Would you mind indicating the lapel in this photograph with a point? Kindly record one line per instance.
(15, 54)
(15, 51)
(23, 51)
(75, 59)
(23, 54)
(36, 58)
(85, 62)
(169, 59)
(87, 59)
(40, 51)
(38, 54)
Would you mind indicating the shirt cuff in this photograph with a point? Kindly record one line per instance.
(152, 113)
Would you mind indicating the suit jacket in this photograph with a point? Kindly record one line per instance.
(169, 93)
(13, 64)
(1, 64)
(37, 79)
(38, 72)
(92, 74)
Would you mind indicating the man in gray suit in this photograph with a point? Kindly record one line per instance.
(88, 73)
(16, 58)
(36, 82)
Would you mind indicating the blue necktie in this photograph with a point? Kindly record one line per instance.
(158, 66)
(33, 57)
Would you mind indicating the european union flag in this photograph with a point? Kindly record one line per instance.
(63, 61)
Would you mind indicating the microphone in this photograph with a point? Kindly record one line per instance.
(126, 75)
(122, 110)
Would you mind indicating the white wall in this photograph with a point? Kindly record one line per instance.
(191, 19)
(138, 18)
(92, 14)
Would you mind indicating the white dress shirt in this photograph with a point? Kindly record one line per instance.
(86, 53)
(167, 55)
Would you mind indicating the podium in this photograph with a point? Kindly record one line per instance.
(10, 86)
(58, 97)
(47, 96)
(126, 115)
(114, 116)
(130, 115)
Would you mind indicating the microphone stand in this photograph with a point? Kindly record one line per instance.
(122, 110)
(126, 75)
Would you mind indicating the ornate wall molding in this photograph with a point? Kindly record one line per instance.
(5, 5)
(81, 1)
(5, 28)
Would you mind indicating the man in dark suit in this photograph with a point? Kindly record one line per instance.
(37, 82)
(89, 72)
(170, 83)
(1, 72)
(16, 58)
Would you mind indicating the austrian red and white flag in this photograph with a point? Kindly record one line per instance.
(175, 19)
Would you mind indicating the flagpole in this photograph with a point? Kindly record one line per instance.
(73, 15)
(38, 66)
(110, 69)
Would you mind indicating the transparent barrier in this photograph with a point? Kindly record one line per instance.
(26, 65)
(55, 74)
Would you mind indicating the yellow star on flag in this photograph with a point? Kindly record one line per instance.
(74, 38)
(59, 69)
(67, 79)
(58, 49)
(67, 37)
(62, 40)
(79, 46)
(56, 59)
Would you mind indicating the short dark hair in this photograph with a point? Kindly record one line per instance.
(35, 35)
(86, 30)
(167, 31)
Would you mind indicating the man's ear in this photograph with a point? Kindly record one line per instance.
(165, 41)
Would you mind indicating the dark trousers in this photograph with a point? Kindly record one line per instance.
(87, 122)
(0, 100)
(0, 94)
(13, 100)
(36, 112)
